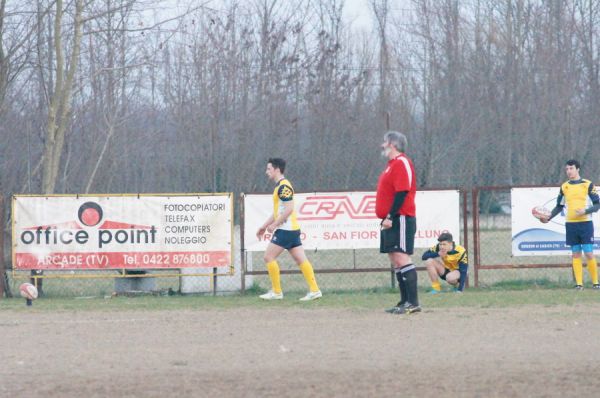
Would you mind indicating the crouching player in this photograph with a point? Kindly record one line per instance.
(448, 261)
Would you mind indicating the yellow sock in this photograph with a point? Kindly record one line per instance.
(578, 270)
(273, 269)
(593, 270)
(436, 286)
(309, 275)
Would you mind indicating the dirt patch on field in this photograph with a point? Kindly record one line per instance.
(283, 352)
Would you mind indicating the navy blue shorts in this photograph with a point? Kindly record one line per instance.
(286, 239)
(579, 233)
(446, 272)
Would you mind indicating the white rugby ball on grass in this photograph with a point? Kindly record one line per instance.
(28, 291)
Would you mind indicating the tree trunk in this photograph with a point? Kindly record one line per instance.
(60, 102)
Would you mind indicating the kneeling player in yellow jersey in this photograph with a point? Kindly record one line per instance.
(286, 235)
(448, 261)
(577, 194)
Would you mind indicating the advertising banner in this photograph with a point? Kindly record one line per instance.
(347, 220)
(530, 237)
(122, 231)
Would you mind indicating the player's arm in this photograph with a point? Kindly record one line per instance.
(560, 204)
(268, 222)
(593, 194)
(285, 193)
(463, 267)
(396, 205)
(261, 231)
(431, 253)
(402, 185)
(288, 208)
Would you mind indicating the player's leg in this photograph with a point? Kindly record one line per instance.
(573, 239)
(387, 239)
(398, 243)
(401, 287)
(453, 277)
(407, 227)
(399, 261)
(577, 263)
(435, 268)
(406, 275)
(270, 257)
(306, 267)
(592, 265)
(587, 240)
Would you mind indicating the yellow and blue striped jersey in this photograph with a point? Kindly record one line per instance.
(452, 259)
(284, 192)
(577, 194)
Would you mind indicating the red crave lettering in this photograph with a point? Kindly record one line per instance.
(328, 208)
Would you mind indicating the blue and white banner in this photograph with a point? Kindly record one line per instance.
(530, 237)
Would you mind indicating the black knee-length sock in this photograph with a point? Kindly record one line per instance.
(409, 276)
(402, 287)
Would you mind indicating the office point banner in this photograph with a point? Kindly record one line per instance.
(122, 231)
(347, 220)
(530, 237)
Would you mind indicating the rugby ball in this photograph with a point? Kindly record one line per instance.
(540, 211)
(28, 291)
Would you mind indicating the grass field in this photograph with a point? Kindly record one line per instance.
(482, 343)
(512, 296)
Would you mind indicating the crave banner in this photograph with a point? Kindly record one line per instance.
(529, 236)
(122, 231)
(347, 220)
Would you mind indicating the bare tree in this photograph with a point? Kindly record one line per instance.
(59, 109)
(199, 103)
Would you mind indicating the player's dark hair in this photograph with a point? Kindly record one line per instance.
(573, 162)
(277, 163)
(445, 237)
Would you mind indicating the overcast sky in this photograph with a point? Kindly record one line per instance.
(355, 11)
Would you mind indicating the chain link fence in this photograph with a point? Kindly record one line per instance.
(494, 263)
(485, 219)
(337, 271)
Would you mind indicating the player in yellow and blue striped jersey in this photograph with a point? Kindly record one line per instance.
(448, 261)
(581, 200)
(284, 226)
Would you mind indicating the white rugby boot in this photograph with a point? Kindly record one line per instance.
(312, 296)
(270, 295)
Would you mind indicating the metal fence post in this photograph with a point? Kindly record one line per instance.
(465, 209)
(2, 267)
(242, 247)
(476, 259)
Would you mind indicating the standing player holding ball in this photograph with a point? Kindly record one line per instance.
(576, 194)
